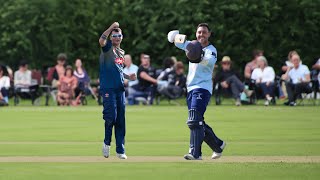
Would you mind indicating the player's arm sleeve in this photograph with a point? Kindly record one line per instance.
(107, 47)
(182, 46)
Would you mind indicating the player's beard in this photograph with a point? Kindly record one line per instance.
(202, 40)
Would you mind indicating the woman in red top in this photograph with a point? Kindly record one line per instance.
(66, 86)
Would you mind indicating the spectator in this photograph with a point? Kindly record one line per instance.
(22, 77)
(129, 69)
(297, 80)
(7, 72)
(252, 64)
(288, 62)
(316, 70)
(4, 86)
(83, 78)
(146, 76)
(66, 87)
(264, 77)
(175, 82)
(283, 91)
(168, 64)
(59, 69)
(23, 85)
(230, 79)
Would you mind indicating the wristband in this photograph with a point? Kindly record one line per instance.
(103, 36)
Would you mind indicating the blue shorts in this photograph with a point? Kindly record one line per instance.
(198, 99)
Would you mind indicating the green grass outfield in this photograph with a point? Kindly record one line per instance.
(159, 131)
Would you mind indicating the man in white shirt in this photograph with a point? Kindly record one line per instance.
(298, 80)
(129, 68)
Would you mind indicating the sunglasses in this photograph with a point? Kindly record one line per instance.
(116, 35)
(226, 63)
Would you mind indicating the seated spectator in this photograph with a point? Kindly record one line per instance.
(252, 64)
(316, 71)
(4, 86)
(146, 87)
(264, 77)
(23, 85)
(283, 91)
(66, 87)
(168, 65)
(58, 70)
(297, 80)
(83, 78)
(129, 68)
(22, 77)
(7, 71)
(230, 79)
(175, 81)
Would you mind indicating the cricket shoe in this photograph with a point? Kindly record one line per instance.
(122, 156)
(191, 157)
(106, 150)
(216, 155)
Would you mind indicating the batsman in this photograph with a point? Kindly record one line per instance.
(202, 56)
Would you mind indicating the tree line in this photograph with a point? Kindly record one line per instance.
(37, 30)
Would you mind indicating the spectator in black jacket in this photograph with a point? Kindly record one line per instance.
(230, 79)
(175, 81)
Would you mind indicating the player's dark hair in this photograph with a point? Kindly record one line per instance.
(116, 30)
(204, 25)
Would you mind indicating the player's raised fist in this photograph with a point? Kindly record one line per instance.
(172, 35)
(115, 25)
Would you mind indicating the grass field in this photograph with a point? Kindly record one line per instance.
(65, 143)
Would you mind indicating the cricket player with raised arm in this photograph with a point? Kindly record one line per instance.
(202, 56)
(112, 89)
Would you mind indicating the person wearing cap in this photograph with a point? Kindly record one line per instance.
(199, 87)
(112, 89)
(228, 78)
